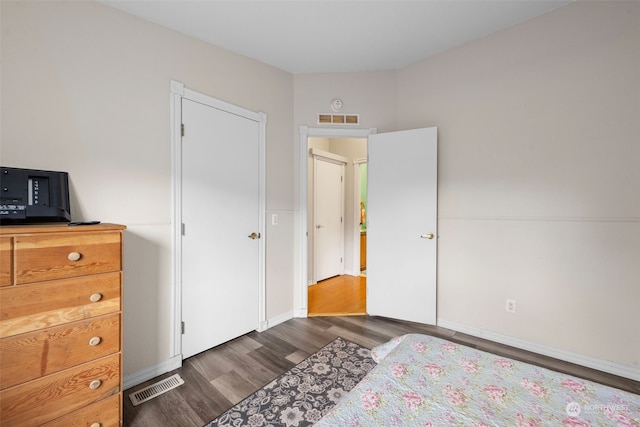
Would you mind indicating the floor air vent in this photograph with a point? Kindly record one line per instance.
(155, 389)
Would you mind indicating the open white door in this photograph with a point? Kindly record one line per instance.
(401, 225)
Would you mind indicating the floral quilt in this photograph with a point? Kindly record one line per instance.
(426, 381)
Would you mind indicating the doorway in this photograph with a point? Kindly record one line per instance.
(360, 179)
(343, 291)
(403, 232)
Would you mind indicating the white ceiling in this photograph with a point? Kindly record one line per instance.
(336, 35)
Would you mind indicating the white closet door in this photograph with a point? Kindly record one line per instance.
(220, 210)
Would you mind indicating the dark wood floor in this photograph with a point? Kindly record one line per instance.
(220, 377)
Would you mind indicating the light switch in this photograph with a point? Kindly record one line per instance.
(274, 219)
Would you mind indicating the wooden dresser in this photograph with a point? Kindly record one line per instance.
(60, 325)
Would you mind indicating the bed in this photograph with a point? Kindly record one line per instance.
(425, 381)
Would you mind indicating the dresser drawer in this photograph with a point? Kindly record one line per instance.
(6, 261)
(29, 356)
(54, 396)
(40, 257)
(105, 413)
(33, 307)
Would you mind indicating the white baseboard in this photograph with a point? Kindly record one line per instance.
(302, 312)
(568, 356)
(279, 319)
(152, 372)
(352, 273)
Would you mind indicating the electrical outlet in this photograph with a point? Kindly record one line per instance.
(511, 306)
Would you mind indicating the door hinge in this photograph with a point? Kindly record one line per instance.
(341, 260)
(182, 327)
(340, 179)
(181, 129)
(182, 228)
(340, 219)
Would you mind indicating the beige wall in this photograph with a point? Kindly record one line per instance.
(539, 178)
(370, 94)
(85, 89)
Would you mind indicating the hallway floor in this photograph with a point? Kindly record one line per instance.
(338, 296)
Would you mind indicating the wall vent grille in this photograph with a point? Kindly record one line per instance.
(338, 119)
(155, 389)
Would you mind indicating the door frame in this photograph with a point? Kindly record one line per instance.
(177, 93)
(357, 180)
(305, 133)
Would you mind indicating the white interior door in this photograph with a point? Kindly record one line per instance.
(401, 225)
(329, 219)
(220, 210)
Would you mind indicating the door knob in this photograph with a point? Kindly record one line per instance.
(254, 236)
(319, 226)
(427, 236)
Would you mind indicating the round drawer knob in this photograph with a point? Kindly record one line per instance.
(74, 256)
(96, 425)
(95, 297)
(95, 384)
(95, 341)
